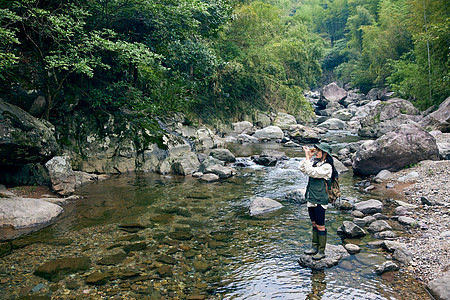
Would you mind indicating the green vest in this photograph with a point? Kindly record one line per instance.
(316, 191)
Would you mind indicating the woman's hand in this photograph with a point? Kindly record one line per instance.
(308, 152)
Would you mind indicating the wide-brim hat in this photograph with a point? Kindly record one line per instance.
(324, 147)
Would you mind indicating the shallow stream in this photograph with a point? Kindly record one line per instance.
(196, 240)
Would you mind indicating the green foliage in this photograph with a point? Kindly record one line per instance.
(269, 58)
(398, 43)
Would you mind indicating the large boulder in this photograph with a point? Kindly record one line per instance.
(284, 120)
(333, 123)
(332, 92)
(407, 144)
(342, 114)
(223, 155)
(61, 174)
(387, 116)
(23, 138)
(27, 212)
(440, 287)
(440, 119)
(243, 127)
(303, 134)
(269, 132)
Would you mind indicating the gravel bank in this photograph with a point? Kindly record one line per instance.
(430, 246)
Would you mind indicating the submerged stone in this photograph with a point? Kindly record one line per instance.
(98, 278)
(135, 247)
(112, 260)
(165, 271)
(181, 235)
(202, 266)
(60, 268)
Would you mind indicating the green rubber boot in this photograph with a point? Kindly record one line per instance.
(322, 235)
(315, 243)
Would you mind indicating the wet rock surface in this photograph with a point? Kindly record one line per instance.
(334, 253)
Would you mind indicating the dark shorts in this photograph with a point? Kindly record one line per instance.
(317, 214)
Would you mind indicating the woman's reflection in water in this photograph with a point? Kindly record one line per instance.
(318, 285)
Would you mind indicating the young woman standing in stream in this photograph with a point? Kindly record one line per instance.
(321, 171)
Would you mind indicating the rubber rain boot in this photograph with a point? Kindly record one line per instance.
(315, 243)
(322, 235)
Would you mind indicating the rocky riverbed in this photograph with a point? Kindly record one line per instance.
(427, 194)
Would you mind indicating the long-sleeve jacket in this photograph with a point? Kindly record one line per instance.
(316, 189)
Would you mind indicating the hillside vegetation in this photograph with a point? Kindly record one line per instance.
(217, 59)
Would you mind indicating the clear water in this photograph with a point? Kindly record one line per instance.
(248, 257)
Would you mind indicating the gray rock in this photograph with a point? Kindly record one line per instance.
(263, 205)
(284, 120)
(208, 163)
(392, 245)
(38, 106)
(269, 157)
(378, 226)
(445, 234)
(403, 255)
(333, 253)
(352, 248)
(61, 174)
(360, 222)
(369, 219)
(340, 167)
(296, 196)
(380, 216)
(304, 134)
(345, 205)
(440, 119)
(333, 92)
(342, 114)
(409, 177)
(407, 144)
(386, 267)
(358, 214)
(369, 207)
(269, 132)
(350, 229)
(387, 116)
(440, 287)
(262, 120)
(401, 211)
(223, 155)
(383, 175)
(404, 220)
(245, 138)
(27, 212)
(385, 235)
(291, 144)
(333, 124)
(209, 177)
(23, 138)
(221, 171)
(243, 127)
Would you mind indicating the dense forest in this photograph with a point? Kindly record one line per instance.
(218, 59)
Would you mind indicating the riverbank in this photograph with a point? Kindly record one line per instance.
(429, 193)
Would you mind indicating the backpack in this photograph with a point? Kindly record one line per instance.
(333, 191)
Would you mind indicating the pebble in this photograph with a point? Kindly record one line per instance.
(430, 252)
